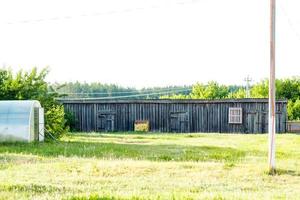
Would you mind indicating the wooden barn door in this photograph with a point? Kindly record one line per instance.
(179, 122)
(264, 121)
(257, 122)
(252, 122)
(105, 122)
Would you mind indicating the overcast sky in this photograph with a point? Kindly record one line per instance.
(149, 42)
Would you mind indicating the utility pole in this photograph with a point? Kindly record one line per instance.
(272, 103)
(248, 80)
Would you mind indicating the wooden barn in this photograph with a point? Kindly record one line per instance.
(219, 116)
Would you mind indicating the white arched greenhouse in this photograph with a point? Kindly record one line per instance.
(21, 121)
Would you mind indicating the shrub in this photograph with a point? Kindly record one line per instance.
(70, 120)
(55, 121)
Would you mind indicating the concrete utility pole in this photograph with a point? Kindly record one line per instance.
(272, 104)
(248, 80)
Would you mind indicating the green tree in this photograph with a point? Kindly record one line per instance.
(210, 91)
(285, 89)
(260, 90)
(294, 110)
(239, 94)
(175, 96)
(288, 88)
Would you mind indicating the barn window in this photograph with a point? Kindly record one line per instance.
(235, 116)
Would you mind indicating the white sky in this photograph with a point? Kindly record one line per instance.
(149, 42)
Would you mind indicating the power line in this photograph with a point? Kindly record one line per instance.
(290, 22)
(96, 14)
(122, 92)
(139, 95)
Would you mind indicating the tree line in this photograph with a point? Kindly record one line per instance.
(285, 89)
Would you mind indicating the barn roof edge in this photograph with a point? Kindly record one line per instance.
(97, 100)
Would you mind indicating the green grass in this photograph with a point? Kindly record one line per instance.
(150, 166)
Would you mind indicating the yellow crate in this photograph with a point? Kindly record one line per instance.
(141, 126)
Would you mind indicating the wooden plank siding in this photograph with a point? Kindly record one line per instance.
(175, 115)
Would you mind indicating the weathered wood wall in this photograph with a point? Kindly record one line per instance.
(174, 115)
(293, 126)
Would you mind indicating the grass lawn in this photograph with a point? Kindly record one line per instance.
(150, 166)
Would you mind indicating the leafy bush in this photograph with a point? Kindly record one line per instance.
(70, 121)
(56, 122)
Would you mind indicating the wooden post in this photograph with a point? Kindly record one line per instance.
(272, 104)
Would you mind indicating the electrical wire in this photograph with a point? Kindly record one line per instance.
(96, 14)
(137, 95)
(122, 92)
(290, 22)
